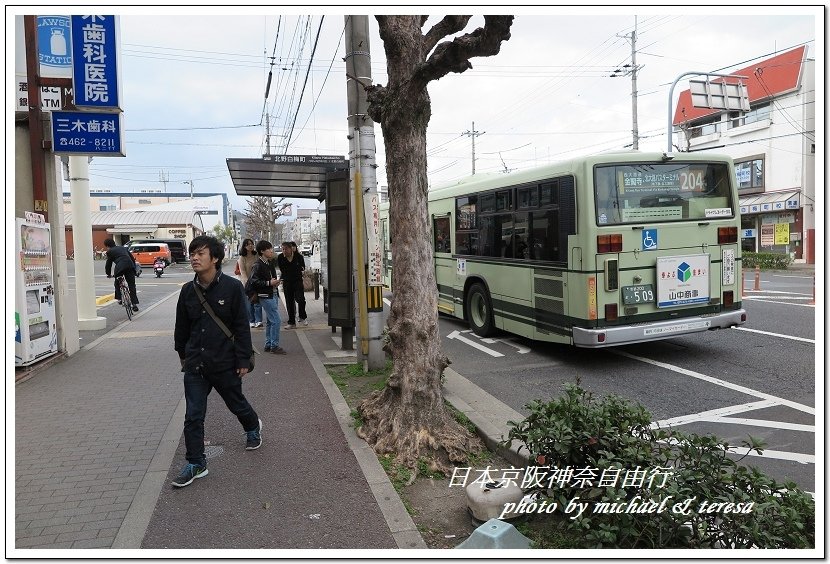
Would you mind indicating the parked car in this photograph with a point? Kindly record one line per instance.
(146, 253)
(178, 247)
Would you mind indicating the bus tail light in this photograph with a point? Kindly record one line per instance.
(610, 243)
(727, 235)
(610, 312)
(728, 298)
(600, 337)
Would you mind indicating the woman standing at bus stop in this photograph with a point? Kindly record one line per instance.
(246, 261)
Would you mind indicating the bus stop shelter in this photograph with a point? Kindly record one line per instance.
(286, 176)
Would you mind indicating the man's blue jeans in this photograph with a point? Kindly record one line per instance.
(255, 313)
(272, 326)
(197, 386)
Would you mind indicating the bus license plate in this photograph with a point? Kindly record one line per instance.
(639, 294)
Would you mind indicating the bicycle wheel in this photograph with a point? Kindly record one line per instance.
(125, 298)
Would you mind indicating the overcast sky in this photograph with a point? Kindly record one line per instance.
(193, 87)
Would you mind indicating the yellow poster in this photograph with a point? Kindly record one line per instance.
(782, 233)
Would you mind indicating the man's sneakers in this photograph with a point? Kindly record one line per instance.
(135, 308)
(254, 437)
(290, 325)
(189, 473)
(276, 350)
(267, 349)
(192, 471)
(304, 322)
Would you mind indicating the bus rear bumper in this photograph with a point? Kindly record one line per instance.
(643, 332)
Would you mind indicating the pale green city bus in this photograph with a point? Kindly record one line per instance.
(598, 251)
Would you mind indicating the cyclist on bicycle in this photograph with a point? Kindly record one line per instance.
(124, 266)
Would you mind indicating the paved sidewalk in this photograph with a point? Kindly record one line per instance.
(98, 437)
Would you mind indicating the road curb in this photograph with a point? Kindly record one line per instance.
(104, 299)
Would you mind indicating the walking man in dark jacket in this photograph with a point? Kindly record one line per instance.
(264, 282)
(210, 359)
(124, 265)
(292, 265)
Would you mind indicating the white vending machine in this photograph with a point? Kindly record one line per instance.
(36, 335)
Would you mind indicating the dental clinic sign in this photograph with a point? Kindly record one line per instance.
(95, 66)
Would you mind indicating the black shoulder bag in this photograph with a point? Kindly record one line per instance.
(221, 325)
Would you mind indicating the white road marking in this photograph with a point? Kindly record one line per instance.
(777, 302)
(719, 382)
(773, 454)
(509, 341)
(456, 335)
(776, 334)
(718, 415)
(713, 413)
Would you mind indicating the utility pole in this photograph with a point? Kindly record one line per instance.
(632, 70)
(364, 190)
(473, 133)
(164, 178)
(191, 186)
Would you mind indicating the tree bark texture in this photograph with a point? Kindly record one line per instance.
(408, 417)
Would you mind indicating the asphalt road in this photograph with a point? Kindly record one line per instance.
(759, 380)
(150, 289)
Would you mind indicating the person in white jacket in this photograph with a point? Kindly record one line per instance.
(246, 261)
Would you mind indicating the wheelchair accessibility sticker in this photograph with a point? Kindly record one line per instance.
(649, 239)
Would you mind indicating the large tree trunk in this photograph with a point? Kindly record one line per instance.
(408, 418)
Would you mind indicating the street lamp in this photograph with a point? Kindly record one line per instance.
(191, 187)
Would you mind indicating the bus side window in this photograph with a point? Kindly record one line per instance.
(441, 234)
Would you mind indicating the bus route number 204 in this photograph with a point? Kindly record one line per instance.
(638, 294)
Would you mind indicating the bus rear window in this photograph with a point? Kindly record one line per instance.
(656, 193)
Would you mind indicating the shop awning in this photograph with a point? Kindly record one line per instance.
(771, 202)
(133, 229)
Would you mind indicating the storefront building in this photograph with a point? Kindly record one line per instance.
(773, 146)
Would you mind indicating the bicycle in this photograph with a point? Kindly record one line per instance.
(126, 301)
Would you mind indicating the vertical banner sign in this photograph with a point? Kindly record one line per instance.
(768, 235)
(95, 70)
(782, 233)
(370, 209)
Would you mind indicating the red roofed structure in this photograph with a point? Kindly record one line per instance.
(773, 145)
(765, 80)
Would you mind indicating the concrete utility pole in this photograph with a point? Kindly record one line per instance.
(632, 70)
(473, 133)
(363, 189)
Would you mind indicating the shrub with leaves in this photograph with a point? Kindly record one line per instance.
(767, 261)
(692, 493)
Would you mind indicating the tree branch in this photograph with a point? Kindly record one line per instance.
(447, 26)
(455, 56)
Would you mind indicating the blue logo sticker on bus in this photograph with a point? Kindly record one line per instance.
(649, 239)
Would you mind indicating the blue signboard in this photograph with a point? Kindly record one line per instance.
(94, 62)
(649, 240)
(53, 46)
(87, 133)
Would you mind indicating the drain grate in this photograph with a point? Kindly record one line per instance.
(213, 451)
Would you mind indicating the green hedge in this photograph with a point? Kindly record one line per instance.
(767, 261)
(613, 436)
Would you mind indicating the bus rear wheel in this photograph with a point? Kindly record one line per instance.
(480, 311)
